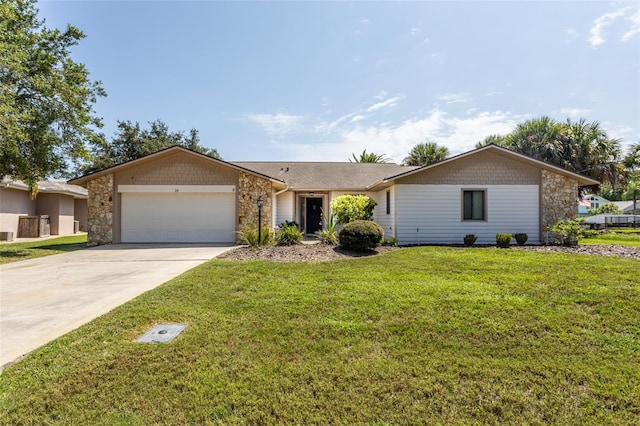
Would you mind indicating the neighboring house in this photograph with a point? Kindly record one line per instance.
(177, 195)
(595, 201)
(62, 202)
(627, 206)
(583, 207)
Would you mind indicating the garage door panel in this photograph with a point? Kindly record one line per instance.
(177, 217)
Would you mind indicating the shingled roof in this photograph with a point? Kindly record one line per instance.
(322, 176)
(48, 187)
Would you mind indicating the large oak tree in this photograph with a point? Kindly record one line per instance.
(132, 142)
(46, 99)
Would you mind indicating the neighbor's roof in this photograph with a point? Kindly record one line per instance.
(582, 180)
(48, 187)
(624, 205)
(322, 176)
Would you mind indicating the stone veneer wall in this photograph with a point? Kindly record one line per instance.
(250, 188)
(558, 196)
(100, 210)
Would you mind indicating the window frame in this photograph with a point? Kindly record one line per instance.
(388, 199)
(484, 192)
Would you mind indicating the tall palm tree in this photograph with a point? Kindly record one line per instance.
(499, 140)
(632, 159)
(426, 153)
(590, 150)
(368, 157)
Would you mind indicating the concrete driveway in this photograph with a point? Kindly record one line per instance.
(42, 299)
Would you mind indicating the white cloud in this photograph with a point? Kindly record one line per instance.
(277, 124)
(455, 98)
(492, 91)
(635, 26)
(572, 32)
(601, 23)
(575, 112)
(389, 103)
(414, 31)
(424, 42)
(395, 139)
(357, 118)
(381, 95)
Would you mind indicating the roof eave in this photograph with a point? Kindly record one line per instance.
(82, 180)
(582, 180)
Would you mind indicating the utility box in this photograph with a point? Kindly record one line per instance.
(34, 226)
(6, 236)
(76, 226)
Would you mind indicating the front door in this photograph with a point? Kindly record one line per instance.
(314, 215)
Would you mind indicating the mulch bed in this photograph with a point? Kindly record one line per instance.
(324, 252)
(299, 252)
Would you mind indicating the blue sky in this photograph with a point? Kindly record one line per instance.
(317, 81)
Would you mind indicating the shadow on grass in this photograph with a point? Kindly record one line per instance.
(352, 253)
(62, 247)
(23, 251)
(13, 254)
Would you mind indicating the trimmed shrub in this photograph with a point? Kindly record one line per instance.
(503, 240)
(568, 232)
(521, 239)
(361, 235)
(470, 239)
(288, 234)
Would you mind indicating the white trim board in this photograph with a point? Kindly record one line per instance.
(177, 188)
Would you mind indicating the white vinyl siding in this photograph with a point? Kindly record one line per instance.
(285, 210)
(380, 215)
(182, 217)
(432, 214)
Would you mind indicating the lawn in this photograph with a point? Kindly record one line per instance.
(428, 335)
(13, 252)
(621, 237)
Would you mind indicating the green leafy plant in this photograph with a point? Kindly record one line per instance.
(503, 240)
(608, 208)
(288, 234)
(249, 236)
(290, 223)
(470, 239)
(348, 208)
(521, 239)
(361, 235)
(329, 235)
(390, 241)
(568, 232)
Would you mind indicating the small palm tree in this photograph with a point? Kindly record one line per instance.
(426, 153)
(368, 157)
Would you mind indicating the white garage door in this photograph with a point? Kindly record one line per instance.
(183, 217)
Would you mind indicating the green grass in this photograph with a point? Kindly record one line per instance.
(429, 335)
(13, 252)
(621, 237)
